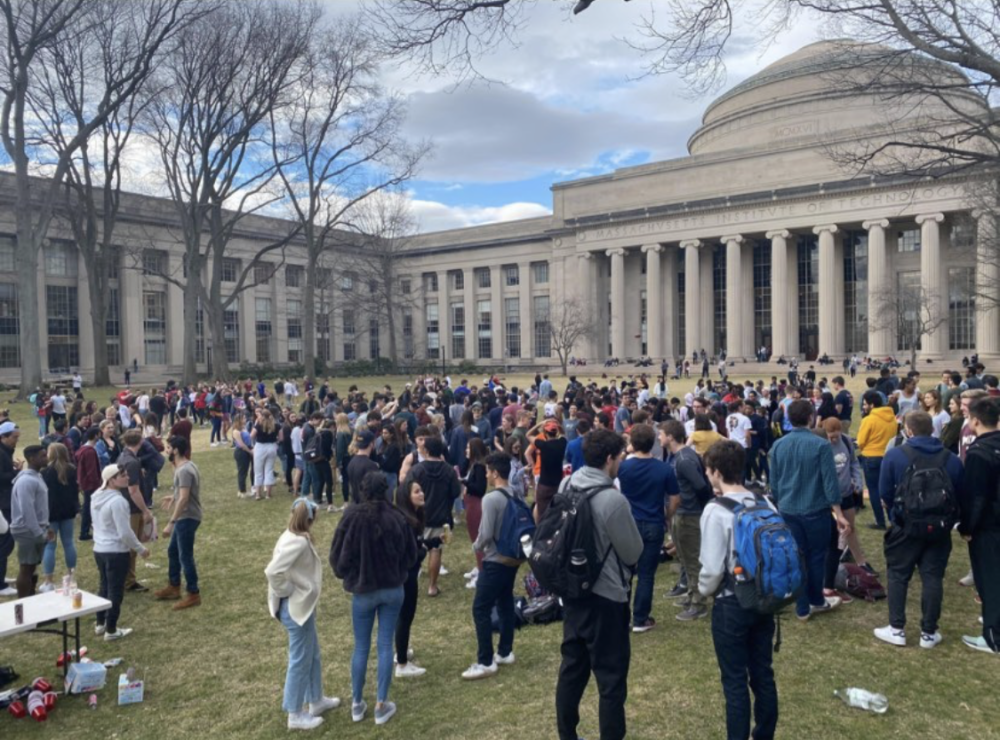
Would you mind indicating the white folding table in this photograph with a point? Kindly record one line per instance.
(52, 608)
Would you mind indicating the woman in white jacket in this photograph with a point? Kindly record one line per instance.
(294, 580)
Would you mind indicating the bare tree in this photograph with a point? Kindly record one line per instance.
(911, 312)
(210, 121)
(571, 322)
(338, 145)
(32, 30)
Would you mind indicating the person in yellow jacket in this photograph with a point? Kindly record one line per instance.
(878, 427)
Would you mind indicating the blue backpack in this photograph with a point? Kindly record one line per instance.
(769, 570)
(516, 522)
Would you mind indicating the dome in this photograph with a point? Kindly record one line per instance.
(815, 91)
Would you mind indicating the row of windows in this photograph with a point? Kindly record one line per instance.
(482, 277)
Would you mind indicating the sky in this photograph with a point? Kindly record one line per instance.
(571, 102)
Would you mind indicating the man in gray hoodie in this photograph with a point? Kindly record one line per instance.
(29, 522)
(596, 628)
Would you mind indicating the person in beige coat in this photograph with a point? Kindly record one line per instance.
(294, 581)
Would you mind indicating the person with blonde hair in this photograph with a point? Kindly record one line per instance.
(265, 451)
(294, 581)
(64, 504)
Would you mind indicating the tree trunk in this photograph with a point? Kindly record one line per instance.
(99, 296)
(217, 324)
(309, 322)
(190, 373)
(391, 325)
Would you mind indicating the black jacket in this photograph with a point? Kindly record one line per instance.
(441, 487)
(978, 499)
(64, 499)
(373, 548)
(7, 473)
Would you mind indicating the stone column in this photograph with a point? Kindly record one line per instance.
(747, 311)
(617, 302)
(668, 279)
(444, 318)
(987, 286)
(734, 296)
(828, 300)
(934, 279)
(654, 301)
(585, 276)
(524, 296)
(783, 298)
(471, 320)
(85, 321)
(840, 290)
(692, 296)
(497, 328)
(132, 311)
(879, 330)
(707, 293)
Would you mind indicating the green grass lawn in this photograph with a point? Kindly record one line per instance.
(218, 670)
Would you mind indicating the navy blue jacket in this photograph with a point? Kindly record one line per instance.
(895, 462)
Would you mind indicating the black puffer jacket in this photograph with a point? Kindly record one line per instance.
(979, 499)
(441, 487)
(373, 548)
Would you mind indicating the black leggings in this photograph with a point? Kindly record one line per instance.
(112, 567)
(406, 615)
(345, 488)
(244, 465)
(325, 474)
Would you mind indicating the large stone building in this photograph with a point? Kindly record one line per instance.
(758, 238)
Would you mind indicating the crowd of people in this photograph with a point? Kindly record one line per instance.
(412, 465)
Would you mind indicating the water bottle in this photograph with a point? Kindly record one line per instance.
(526, 545)
(862, 699)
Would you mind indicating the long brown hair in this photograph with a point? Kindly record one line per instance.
(300, 522)
(59, 459)
(414, 517)
(266, 421)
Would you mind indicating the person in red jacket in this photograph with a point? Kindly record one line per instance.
(88, 477)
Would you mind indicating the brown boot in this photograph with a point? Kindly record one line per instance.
(188, 601)
(170, 593)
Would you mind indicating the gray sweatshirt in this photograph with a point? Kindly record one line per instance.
(29, 509)
(717, 546)
(494, 504)
(112, 530)
(614, 527)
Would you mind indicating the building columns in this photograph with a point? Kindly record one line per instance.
(934, 280)
(585, 275)
(692, 296)
(444, 319)
(734, 297)
(524, 301)
(668, 302)
(471, 319)
(987, 286)
(132, 311)
(829, 301)
(617, 302)
(654, 301)
(879, 337)
(782, 294)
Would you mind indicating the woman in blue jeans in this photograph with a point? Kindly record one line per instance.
(64, 505)
(372, 552)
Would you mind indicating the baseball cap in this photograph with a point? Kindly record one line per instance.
(109, 472)
(365, 439)
(7, 427)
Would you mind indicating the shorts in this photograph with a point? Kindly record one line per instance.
(848, 503)
(433, 533)
(299, 463)
(29, 549)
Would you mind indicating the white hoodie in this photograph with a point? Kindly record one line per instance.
(112, 530)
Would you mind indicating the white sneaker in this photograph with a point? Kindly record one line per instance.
(967, 580)
(978, 643)
(99, 629)
(471, 574)
(46, 587)
(928, 640)
(476, 671)
(890, 635)
(359, 710)
(303, 720)
(409, 655)
(471, 584)
(8, 591)
(384, 713)
(325, 704)
(409, 670)
(831, 603)
(504, 659)
(444, 571)
(122, 632)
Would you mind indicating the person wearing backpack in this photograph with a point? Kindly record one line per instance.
(495, 582)
(743, 637)
(805, 489)
(596, 625)
(920, 483)
(980, 522)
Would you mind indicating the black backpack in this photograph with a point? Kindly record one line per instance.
(925, 497)
(564, 556)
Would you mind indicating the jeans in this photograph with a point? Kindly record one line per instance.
(216, 435)
(386, 604)
(43, 426)
(902, 555)
(310, 481)
(180, 554)
(743, 646)
(812, 534)
(872, 467)
(264, 456)
(304, 679)
(494, 587)
(595, 638)
(652, 542)
(687, 537)
(86, 523)
(112, 567)
(984, 552)
(411, 590)
(64, 531)
(244, 462)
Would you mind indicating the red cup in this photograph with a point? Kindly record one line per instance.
(17, 709)
(50, 700)
(40, 684)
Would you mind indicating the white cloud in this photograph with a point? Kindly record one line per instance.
(434, 216)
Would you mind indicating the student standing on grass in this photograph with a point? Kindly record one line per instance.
(114, 541)
(441, 487)
(185, 518)
(373, 551)
(30, 518)
(294, 581)
(64, 504)
(88, 478)
(135, 492)
(596, 627)
(743, 639)
(361, 462)
(9, 435)
(410, 503)
(905, 551)
(475, 483)
(265, 453)
(878, 427)
(980, 523)
(495, 582)
(549, 446)
(647, 483)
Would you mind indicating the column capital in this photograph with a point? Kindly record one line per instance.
(778, 234)
(616, 252)
(832, 228)
(738, 238)
(657, 248)
(585, 255)
(878, 223)
(938, 217)
(692, 243)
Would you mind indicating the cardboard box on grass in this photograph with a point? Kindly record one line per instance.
(131, 692)
(83, 678)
